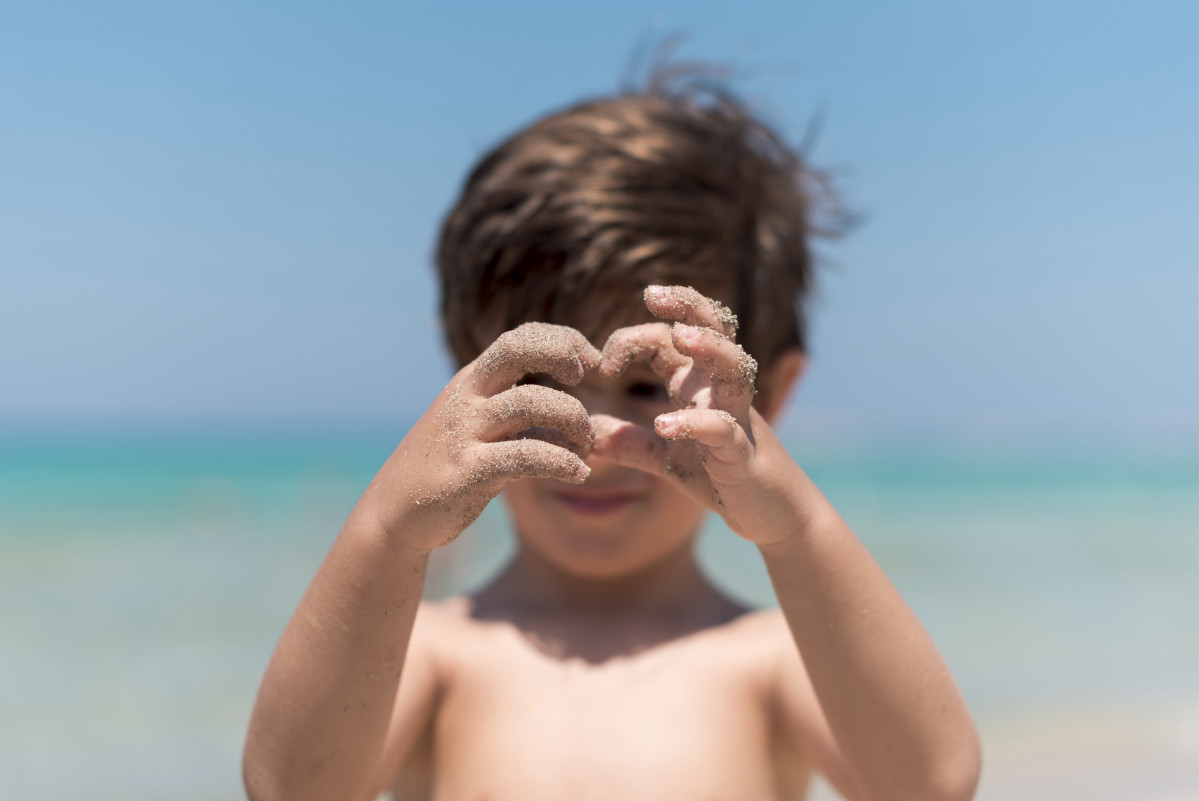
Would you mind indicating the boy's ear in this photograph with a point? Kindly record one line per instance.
(776, 384)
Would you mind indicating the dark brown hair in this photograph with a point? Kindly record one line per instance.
(569, 219)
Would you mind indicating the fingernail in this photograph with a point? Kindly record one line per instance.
(657, 291)
(667, 425)
(688, 333)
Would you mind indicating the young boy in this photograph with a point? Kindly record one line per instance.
(601, 663)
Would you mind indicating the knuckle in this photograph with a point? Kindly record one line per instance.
(508, 338)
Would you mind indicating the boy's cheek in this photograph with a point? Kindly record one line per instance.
(521, 498)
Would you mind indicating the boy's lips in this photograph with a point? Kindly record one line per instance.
(599, 501)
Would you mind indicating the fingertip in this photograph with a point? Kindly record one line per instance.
(656, 292)
(577, 473)
(665, 425)
(686, 338)
(570, 373)
(662, 301)
(614, 358)
(671, 426)
(610, 368)
(589, 355)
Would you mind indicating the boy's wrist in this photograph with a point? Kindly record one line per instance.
(396, 532)
(809, 513)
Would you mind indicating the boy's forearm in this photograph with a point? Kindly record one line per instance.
(889, 699)
(322, 711)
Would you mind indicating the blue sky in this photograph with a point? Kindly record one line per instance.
(224, 212)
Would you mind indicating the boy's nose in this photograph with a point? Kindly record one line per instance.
(593, 401)
(596, 406)
(606, 472)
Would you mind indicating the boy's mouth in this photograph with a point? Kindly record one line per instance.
(597, 502)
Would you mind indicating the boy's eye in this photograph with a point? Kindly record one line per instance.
(645, 389)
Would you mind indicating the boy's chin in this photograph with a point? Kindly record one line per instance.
(607, 556)
(622, 524)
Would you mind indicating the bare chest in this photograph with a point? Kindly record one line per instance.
(682, 721)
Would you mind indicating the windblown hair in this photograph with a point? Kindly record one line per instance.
(569, 219)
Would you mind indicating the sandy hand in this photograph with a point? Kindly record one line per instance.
(483, 432)
(709, 444)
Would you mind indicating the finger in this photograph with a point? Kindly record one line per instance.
(725, 439)
(556, 350)
(682, 304)
(642, 449)
(721, 357)
(504, 462)
(554, 437)
(628, 444)
(534, 406)
(650, 343)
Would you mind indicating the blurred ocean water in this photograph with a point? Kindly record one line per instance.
(144, 578)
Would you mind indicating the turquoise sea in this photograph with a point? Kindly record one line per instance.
(145, 575)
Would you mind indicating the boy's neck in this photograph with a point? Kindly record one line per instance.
(566, 616)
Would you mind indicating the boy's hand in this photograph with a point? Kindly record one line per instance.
(483, 432)
(716, 446)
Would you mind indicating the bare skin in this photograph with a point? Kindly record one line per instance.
(600, 663)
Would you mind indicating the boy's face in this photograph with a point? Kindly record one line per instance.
(621, 519)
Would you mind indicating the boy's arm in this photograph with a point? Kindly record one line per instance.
(893, 710)
(321, 718)
(326, 699)
(890, 702)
